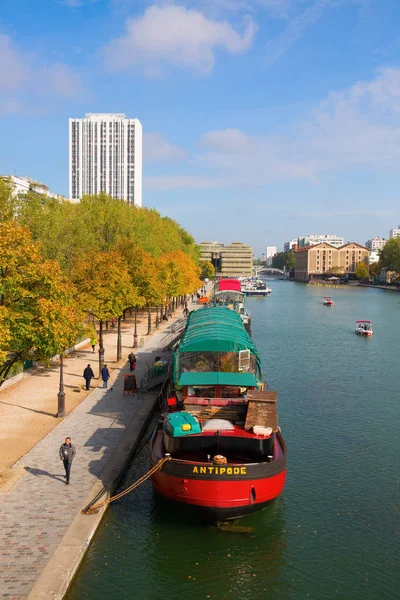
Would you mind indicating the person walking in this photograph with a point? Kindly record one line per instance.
(105, 375)
(93, 342)
(132, 361)
(67, 453)
(88, 376)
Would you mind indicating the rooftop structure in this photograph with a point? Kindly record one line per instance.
(23, 185)
(318, 238)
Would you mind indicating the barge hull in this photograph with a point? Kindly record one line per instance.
(220, 499)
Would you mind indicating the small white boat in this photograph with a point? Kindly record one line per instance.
(364, 328)
(328, 301)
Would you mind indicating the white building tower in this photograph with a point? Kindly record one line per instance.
(105, 155)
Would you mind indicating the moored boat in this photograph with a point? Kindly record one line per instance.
(252, 286)
(226, 454)
(364, 328)
(228, 293)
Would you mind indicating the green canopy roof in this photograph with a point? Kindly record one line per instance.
(236, 379)
(215, 329)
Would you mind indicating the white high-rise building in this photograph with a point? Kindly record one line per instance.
(394, 233)
(375, 243)
(270, 253)
(105, 155)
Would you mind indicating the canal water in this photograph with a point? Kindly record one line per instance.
(335, 531)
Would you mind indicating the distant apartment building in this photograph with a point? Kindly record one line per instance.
(375, 243)
(321, 238)
(373, 256)
(23, 185)
(394, 233)
(270, 253)
(315, 261)
(105, 155)
(290, 245)
(211, 251)
(233, 260)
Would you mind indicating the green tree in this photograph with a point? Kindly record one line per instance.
(207, 270)
(8, 201)
(284, 260)
(39, 317)
(389, 256)
(361, 271)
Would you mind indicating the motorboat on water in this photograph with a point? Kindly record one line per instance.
(252, 286)
(328, 301)
(220, 450)
(364, 328)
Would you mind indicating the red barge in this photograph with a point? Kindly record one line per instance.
(226, 454)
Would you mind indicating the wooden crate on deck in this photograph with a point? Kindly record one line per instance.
(262, 410)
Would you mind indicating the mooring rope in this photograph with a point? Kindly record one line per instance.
(91, 509)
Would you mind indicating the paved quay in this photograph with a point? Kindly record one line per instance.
(43, 535)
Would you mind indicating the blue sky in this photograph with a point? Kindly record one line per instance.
(264, 120)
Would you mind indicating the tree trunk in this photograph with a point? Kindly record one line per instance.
(148, 319)
(119, 340)
(107, 325)
(157, 318)
(101, 349)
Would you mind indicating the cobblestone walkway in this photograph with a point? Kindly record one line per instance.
(36, 513)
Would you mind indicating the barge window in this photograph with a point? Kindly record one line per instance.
(232, 392)
(201, 391)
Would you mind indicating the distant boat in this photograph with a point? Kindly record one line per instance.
(364, 328)
(328, 301)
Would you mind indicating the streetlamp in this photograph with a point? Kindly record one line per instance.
(135, 338)
(61, 393)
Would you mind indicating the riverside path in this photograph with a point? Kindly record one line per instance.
(42, 533)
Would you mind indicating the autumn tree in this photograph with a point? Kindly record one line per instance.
(361, 271)
(374, 269)
(335, 271)
(105, 288)
(38, 315)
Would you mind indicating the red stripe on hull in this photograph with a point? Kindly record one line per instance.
(220, 493)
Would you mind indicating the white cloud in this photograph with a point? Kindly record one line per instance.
(354, 129)
(182, 182)
(24, 82)
(177, 36)
(60, 79)
(13, 69)
(77, 3)
(279, 45)
(232, 140)
(157, 149)
(275, 7)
